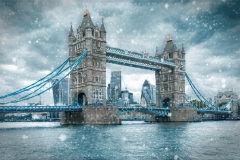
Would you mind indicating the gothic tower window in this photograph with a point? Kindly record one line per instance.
(165, 87)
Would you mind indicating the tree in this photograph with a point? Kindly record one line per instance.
(198, 104)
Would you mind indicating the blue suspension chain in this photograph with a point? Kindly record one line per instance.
(73, 65)
(35, 83)
(193, 87)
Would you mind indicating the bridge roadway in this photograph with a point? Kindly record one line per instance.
(122, 110)
(137, 60)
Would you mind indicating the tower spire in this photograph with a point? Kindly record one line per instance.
(183, 48)
(71, 34)
(102, 29)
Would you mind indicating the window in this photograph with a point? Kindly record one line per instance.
(96, 34)
(96, 79)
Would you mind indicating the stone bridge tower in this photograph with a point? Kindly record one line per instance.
(170, 82)
(223, 98)
(88, 80)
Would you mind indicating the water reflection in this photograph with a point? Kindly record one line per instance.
(132, 140)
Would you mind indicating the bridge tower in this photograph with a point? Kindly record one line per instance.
(88, 80)
(223, 98)
(170, 82)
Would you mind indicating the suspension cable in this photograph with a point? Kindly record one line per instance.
(35, 83)
(72, 66)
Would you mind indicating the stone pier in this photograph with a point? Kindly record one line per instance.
(184, 115)
(91, 115)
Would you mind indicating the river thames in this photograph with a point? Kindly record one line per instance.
(131, 140)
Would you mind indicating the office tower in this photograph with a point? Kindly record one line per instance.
(148, 95)
(114, 88)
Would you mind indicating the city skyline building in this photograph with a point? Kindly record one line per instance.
(148, 94)
(60, 94)
(114, 88)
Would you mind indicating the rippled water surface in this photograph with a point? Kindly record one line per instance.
(132, 140)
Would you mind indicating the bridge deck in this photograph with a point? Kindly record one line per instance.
(13, 109)
(122, 110)
(137, 60)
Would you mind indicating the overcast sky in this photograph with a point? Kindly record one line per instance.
(34, 39)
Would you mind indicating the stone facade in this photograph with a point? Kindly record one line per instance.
(91, 115)
(184, 115)
(88, 80)
(170, 83)
(223, 98)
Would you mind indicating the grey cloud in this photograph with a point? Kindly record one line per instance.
(133, 25)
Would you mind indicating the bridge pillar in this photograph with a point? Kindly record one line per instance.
(184, 115)
(91, 115)
(170, 82)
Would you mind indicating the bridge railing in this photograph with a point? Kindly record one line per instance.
(158, 111)
(13, 109)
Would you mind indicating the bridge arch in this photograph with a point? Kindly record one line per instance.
(82, 99)
(166, 103)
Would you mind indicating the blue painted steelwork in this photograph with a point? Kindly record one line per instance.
(157, 111)
(197, 93)
(37, 83)
(122, 110)
(214, 112)
(130, 63)
(13, 109)
(210, 107)
(134, 59)
(72, 66)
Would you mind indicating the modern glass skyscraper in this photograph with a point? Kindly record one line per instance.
(148, 95)
(114, 88)
(61, 92)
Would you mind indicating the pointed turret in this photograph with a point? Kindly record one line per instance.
(87, 19)
(156, 54)
(103, 31)
(102, 27)
(71, 37)
(170, 47)
(71, 34)
(183, 51)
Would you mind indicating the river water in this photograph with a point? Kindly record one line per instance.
(214, 140)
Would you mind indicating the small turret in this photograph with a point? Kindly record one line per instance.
(102, 27)
(157, 53)
(103, 31)
(183, 51)
(71, 36)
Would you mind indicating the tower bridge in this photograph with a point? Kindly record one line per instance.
(88, 55)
